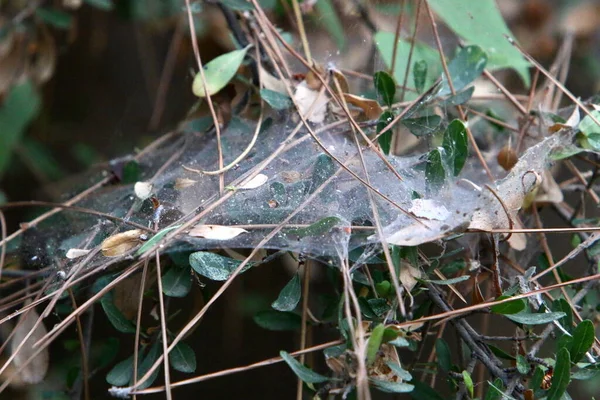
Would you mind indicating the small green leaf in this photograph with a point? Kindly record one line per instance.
(385, 140)
(385, 87)
(21, 105)
(512, 307)
(115, 316)
(459, 98)
(391, 387)
(383, 288)
(591, 131)
(420, 75)
(121, 373)
(456, 144)
(443, 354)
(320, 227)
(304, 373)
(498, 352)
(289, 296)
(399, 371)
(278, 321)
(374, 343)
(535, 319)
(562, 375)
(278, 101)
(379, 306)
(182, 358)
(214, 266)
(155, 239)
(324, 168)
(131, 172)
(583, 338)
(400, 342)
(422, 126)
(54, 17)
(104, 5)
(218, 72)
(177, 282)
(561, 305)
(238, 5)
(468, 64)
(145, 365)
(450, 281)
(495, 391)
(423, 391)
(389, 335)
(468, 382)
(330, 20)
(435, 174)
(522, 365)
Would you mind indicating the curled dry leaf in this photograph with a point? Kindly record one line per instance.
(271, 83)
(34, 371)
(341, 80)
(76, 253)
(44, 63)
(182, 183)
(216, 232)
(371, 108)
(142, 190)
(408, 276)
(312, 79)
(549, 190)
(121, 243)
(254, 183)
(305, 97)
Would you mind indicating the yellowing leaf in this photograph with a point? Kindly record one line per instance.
(216, 232)
(121, 243)
(218, 72)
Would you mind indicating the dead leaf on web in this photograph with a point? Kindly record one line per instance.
(549, 191)
(121, 243)
(35, 371)
(182, 183)
(371, 108)
(430, 209)
(409, 276)
(271, 83)
(216, 232)
(305, 97)
(76, 253)
(254, 183)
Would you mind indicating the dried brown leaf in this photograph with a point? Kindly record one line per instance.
(371, 108)
(182, 183)
(216, 232)
(121, 243)
(35, 371)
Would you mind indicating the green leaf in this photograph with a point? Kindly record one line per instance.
(456, 144)
(182, 358)
(219, 72)
(278, 101)
(155, 239)
(435, 174)
(121, 373)
(468, 382)
(115, 316)
(330, 20)
(421, 52)
(57, 18)
(562, 375)
(391, 387)
(443, 354)
(385, 87)
(459, 98)
(423, 391)
(177, 282)
(591, 131)
(374, 343)
(306, 374)
(324, 168)
(400, 342)
(399, 371)
(522, 365)
(498, 352)
(214, 266)
(145, 365)
(238, 5)
(512, 307)
(41, 159)
(583, 338)
(131, 172)
(278, 321)
(419, 75)
(495, 391)
(450, 281)
(535, 319)
(385, 140)
(19, 108)
(480, 23)
(468, 64)
(422, 126)
(105, 5)
(383, 288)
(561, 305)
(320, 227)
(289, 296)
